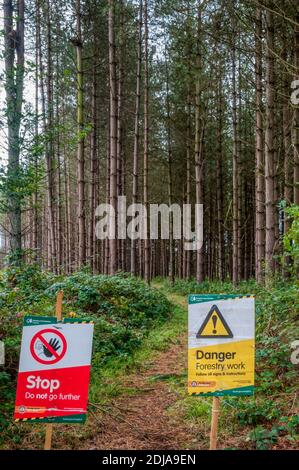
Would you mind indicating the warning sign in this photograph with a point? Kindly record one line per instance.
(48, 346)
(54, 370)
(214, 326)
(221, 345)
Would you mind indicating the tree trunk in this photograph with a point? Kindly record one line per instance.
(219, 175)
(269, 149)
(113, 133)
(199, 129)
(296, 111)
(259, 156)
(120, 123)
(145, 149)
(80, 143)
(94, 173)
(136, 134)
(235, 161)
(14, 79)
(35, 237)
(188, 177)
(171, 267)
(287, 155)
(52, 252)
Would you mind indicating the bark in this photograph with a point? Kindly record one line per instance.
(94, 174)
(50, 164)
(35, 238)
(171, 267)
(80, 142)
(120, 122)
(58, 165)
(235, 163)
(136, 133)
(269, 149)
(146, 147)
(240, 161)
(219, 175)
(106, 241)
(199, 131)
(113, 132)
(188, 178)
(259, 155)
(296, 111)
(187, 253)
(287, 155)
(14, 81)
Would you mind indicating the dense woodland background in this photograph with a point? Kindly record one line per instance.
(162, 101)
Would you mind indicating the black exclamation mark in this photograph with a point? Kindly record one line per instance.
(214, 320)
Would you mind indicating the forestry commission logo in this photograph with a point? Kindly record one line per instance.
(140, 222)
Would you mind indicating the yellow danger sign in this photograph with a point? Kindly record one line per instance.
(214, 325)
(221, 338)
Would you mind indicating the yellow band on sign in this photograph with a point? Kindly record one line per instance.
(221, 346)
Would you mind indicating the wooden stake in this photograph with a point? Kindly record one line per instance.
(49, 427)
(59, 305)
(214, 423)
(48, 437)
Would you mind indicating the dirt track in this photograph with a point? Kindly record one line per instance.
(141, 421)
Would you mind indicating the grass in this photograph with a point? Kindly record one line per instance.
(159, 338)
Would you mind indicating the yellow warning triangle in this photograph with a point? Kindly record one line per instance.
(214, 325)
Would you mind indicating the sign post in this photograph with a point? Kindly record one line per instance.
(49, 427)
(221, 342)
(214, 423)
(54, 370)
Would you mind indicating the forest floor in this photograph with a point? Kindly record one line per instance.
(146, 420)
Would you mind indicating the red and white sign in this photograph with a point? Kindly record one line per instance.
(54, 371)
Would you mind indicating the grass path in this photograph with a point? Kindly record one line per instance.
(142, 418)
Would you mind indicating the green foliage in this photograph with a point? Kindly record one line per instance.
(262, 438)
(120, 296)
(291, 237)
(256, 412)
(290, 425)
